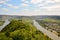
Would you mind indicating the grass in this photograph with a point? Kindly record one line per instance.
(48, 22)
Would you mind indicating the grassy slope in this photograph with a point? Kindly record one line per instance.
(49, 20)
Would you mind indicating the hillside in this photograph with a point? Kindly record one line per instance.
(51, 24)
(22, 30)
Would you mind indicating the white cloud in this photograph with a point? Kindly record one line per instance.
(51, 8)
(3, 1)
(16, 7)
(44, 1)
(35, 1)
(5, 9)
(24, 5)
(57, 0)
(23, 0)
(47, 4)
(12, 6)
(38, 12)
(26, 12)
(52, 1)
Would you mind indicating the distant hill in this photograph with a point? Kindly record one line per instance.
(32, 17)
(42, 17)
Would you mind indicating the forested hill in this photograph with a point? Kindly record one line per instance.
(22, 30)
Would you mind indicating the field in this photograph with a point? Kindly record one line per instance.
(52, 25)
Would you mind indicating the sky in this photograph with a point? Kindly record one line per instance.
(29, 7)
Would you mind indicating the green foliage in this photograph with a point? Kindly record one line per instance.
(22, 30)
(7, 34)
(51, 20)
(3, 37)
(1, 23)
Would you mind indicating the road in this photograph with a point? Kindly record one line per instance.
(6, 23)
(46, 32)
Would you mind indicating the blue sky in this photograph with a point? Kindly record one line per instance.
(30, 7)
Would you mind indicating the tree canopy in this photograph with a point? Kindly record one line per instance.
(21, 30)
